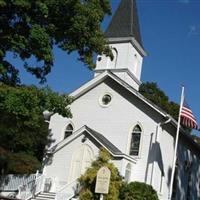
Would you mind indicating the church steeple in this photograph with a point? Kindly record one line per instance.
(125, 24)
(123, 36)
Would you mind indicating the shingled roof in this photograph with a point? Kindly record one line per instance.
(104, 141)
(125, 22)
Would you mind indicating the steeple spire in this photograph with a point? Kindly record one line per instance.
(124, 25)
(123, 37)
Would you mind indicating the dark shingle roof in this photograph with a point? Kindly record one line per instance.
(104, 141)
(125, 22)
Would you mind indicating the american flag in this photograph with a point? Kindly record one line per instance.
(187, 117)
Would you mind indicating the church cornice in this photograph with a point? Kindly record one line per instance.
(132, 40)
(121, 70)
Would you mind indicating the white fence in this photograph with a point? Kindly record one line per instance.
(32, 188)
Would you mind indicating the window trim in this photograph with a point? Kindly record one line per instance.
(100, 100)
(130, 137)
(115, 59)
(69, 123)
(128, 170)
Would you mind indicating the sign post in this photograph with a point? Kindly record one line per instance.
(101, 196)
(103, 181)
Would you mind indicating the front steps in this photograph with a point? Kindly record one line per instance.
(44, 196)
(49, 196)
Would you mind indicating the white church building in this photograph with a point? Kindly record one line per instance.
(108, 111)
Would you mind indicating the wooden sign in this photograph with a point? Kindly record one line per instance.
(103, 181)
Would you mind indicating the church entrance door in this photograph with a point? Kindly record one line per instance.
(81, 160)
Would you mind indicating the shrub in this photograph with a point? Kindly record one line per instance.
(88, 180)
(137, 191)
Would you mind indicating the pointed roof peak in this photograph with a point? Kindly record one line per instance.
(125, 23)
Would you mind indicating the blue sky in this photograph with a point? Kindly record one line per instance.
(170, 31)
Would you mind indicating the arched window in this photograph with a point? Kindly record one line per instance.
(128, 172)
(136, 61)
(112, 63)
(135, 141)
(68, 131)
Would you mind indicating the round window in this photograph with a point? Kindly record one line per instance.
(106, 99)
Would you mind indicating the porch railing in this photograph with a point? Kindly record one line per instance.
(32, 188)
(67, 191)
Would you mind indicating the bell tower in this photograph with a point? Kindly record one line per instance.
(123, 37)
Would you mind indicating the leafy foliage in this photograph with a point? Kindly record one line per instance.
(23, 132)
(19, 163)
(137, 191)
(151, 91)
(88, 180)
(30, 28)
(196, 138)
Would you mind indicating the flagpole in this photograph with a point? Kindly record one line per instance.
(176, 145)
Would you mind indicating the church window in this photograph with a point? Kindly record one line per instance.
(128, 172)
(105, 100)
(135, 141)
(112, 63)
(68, 131)
(136, 63)
(99, 58)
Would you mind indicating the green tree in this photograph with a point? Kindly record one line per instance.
(23, 132)
(88, 180)
(151, 91)
(137, 191)
(196, 138)
(30, 28)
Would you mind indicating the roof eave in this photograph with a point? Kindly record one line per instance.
(80, 132)
(132, 40)
(98, 79)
